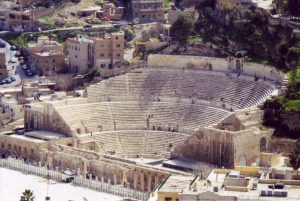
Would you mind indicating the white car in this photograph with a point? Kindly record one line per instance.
(13, 60)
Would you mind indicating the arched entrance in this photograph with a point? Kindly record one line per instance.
(242, 161)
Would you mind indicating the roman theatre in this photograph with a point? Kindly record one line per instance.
(199, 108)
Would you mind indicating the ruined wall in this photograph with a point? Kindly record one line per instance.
(108, 168)
(19, 147)
(281, 145)
(248, 145)
(45, 117)
(217, 64)
(208, 145)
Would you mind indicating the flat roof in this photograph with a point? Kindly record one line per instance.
(184, 163)
(27, 138)
(176, 183)
(45, 135)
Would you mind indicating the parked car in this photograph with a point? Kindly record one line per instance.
(13, 78)
(87, 26)
(24, 67)
(29, 72)
(2, 82)
(13, 48)
(13, 60)
(8, 80)
(20, 58)
(2, 45)
(17, 54)
(22, 62)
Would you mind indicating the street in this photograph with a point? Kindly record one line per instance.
(14, 69)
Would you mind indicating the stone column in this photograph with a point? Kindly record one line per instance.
(75, 143)
(156, 180)
(115, 179)
(149, 181)
(135, 178)
(142, 181)
(124, 179)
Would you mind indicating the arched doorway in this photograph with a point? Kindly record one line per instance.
(242, 161)
(263, 144)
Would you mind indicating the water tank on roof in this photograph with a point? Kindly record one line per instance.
(216, 188)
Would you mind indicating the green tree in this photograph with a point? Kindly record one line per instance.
(294, 156)
(293, 7)
(280, 5)
(27, 195)
(183, 27)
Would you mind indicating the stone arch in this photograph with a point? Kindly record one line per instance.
(242, 161)
(263, 144)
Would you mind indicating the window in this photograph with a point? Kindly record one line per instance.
(168, 199)
(117, 37)
(76, 56)
(53, 61)
(101, 55)
(118, 55)
(118, 45)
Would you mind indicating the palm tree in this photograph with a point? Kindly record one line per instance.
(27, 195)
(295, 156)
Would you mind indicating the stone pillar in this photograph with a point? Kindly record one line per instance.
(84, 167)
(156, 180)
(75, 142)
(142, 182)
(149, 178)
(115, 179)
(135, 178)
(124, 180)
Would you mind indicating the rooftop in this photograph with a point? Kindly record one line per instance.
(176, 183)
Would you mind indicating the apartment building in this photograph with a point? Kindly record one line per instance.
(148, 10)
(48, 63)
(108, 50)
(46, 57)
(100, 52)
(80, 54)
(3, 69)
(44, 43)
(19, 20)
(110, 11)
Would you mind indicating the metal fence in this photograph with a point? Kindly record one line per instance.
(80, 180)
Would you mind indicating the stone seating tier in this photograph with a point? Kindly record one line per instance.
(238, 91)
(137, 115)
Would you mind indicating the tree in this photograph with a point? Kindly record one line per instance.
(293, 6)
(27, 195)
(183, 27)
(295, 157)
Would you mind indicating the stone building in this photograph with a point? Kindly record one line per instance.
(100, 52)
(21, 20)
(148, 10)
(46, 57)
(3, 69)
(80, 54)
(48, 63)
(108, 50)
(110, 11)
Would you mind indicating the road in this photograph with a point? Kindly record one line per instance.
(14, 69)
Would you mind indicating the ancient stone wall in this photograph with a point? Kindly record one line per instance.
(113, 171)
(248, 145)
(214, 64)
(281, 145)
(25, 149)
(208, 145)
